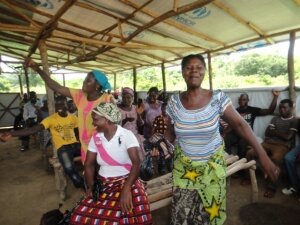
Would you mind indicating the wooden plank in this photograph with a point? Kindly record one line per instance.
(180, 27)
(209, 71)
(19, 12)
(44, 58)
(51, 25)
(291, 67)
(163, 74)
(240, 19)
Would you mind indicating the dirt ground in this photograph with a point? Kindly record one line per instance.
(27, 191)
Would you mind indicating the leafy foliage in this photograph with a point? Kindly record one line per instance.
(249, 71)
(272, 65)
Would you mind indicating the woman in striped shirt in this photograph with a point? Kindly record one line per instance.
(199, 167)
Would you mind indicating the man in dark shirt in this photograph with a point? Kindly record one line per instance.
(279, 138)
(249, 113)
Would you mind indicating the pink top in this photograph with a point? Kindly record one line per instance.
(131, 114)
(85, 107)
(132, 126)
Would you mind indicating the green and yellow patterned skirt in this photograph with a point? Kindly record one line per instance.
(199, 195)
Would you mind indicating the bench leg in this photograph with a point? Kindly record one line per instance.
(60, 181)
(253, 183)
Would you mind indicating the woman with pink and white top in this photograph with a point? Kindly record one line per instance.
(92, 93)
(131, 120)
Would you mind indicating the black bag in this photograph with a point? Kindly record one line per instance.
(146, 170)
(52, 217)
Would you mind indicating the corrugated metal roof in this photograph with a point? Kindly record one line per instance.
(116, 35)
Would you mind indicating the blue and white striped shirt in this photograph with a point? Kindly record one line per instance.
(197, 131)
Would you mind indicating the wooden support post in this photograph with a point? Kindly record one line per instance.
(253, 183)
(163, 76)
(44, 57)
(115, 81)
(291, 69)
(21, 84)
(209, 71)
(27, 80)
(134, 85)
(64, 79)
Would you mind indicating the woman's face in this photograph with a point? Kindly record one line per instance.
(99, 122)
(127, 99)
(193, 73)
(89, 84)
(152, 96)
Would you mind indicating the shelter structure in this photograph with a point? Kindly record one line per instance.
(120, 35)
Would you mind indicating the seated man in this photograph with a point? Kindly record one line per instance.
(61, 125)
(280, 137)
(249, 113)
(291, 159)
(30, 116)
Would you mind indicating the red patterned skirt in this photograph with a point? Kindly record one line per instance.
(107, 210)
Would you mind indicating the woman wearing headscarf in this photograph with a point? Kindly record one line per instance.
(131, 120)
(152, 109)
(122, 198)
(85, 99)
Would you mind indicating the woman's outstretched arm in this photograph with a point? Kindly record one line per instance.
(244, 130)
(47, 79)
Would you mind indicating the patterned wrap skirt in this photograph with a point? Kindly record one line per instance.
(199, 194)
(107, 210)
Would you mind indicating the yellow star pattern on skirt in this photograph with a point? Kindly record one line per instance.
(213, 210)
(191, 174)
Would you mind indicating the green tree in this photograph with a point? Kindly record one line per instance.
(272, 65)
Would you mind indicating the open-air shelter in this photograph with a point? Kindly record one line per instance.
(119, 35)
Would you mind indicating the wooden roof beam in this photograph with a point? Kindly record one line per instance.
(257, 39)
(17, 28)
(130, 57)
(97, 42)
(42, 13)
(155, 21)
(19, 12)
(50, 26)
(120, 21)
(172, 23)
(297, 2)
(146, 54)
(241, 20)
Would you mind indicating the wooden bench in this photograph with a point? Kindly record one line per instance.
(160, 189)
(60, 176)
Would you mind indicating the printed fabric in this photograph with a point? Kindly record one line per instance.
(207, 178)
(107, 210)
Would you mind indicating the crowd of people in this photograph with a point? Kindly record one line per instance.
(185, 133)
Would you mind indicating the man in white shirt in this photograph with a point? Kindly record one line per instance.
(30, 116)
